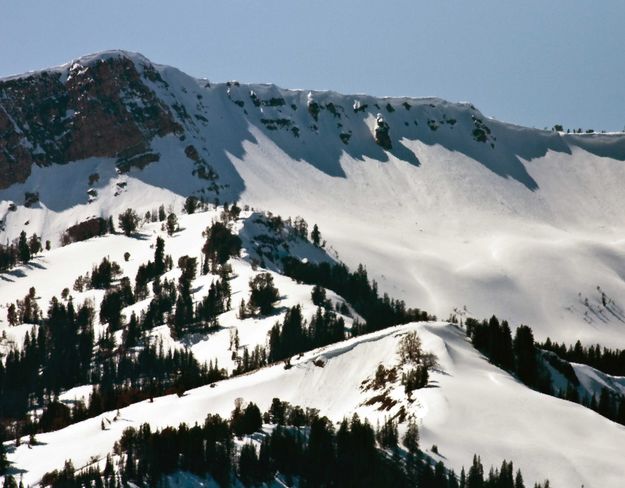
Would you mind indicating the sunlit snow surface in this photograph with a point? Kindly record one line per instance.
(527, 230)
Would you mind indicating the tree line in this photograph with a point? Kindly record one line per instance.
(21, 250)
(530, 361)
(610, 361)
(378, 311)
(298, 445)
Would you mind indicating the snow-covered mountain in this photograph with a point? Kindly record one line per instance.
(452, 211)
(472, 406)
(462, 210)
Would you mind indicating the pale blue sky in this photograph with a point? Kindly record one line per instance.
(532, 62)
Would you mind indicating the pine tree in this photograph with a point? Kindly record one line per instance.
(248, 465)
(518, 480)
(387, 434)
(525, 352)
(133, 332)
(171, 224)
(315, 235)
(320, 453)
(440, 475)
(111, 225)
(34, 245)
(159, 256)
(12, 316)
(183, 315)
(475, 478)
(128, 221)
(411, 437)
(318, 296)
(263, 293)
(191, 204)
(506, 354)
(23, 248)
(161, 213)
(220, 244)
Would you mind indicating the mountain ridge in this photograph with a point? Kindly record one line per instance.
(152, 73)
(470, 207)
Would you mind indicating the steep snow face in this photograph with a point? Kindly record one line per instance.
(451, 234)
(454, 210)
(471, 407)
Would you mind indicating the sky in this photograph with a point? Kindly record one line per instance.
(534, 62)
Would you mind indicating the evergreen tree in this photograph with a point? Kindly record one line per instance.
(525, 352)
(159, 256)
(248, 465)
(507, 353)
(246, 421)
(12, 316)
(128, 221)
(315, 235)
(475, 478)
(290, 339)
(506, 475)
(263, 293)
(111, 225)
(220, 244)
(171, 224)
(103, 274)
(34, 245)
(133, 332)
(320, 455)
(387, 435)
(242, 310)
(411, 437)
(111, 309)
(440, 476)
(518, 480)
(161, 213)
(23, 248)
(191, 204)
(318, 296)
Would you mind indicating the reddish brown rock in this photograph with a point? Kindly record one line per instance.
(104, 109)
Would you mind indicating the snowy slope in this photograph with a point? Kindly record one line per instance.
(592, 381)
(471, 407)
(57, 269)
(518, 225)
(514, 221)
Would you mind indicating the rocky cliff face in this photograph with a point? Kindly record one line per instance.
(99, 108)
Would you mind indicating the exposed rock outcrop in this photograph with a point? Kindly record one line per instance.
(99, 108)
(381, 133)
